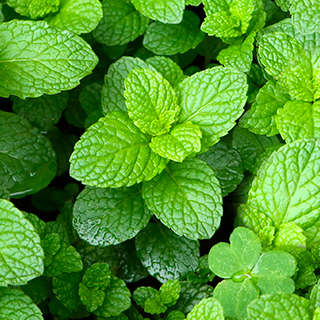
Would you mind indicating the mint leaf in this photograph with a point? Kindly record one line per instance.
(20, 250)
(169, 292)
(109, 216)
(183, 140)
(121, 23)
(119, 139)
(227, 165)
(34, 8)
(168, 68)
(39, 225)
(43, 112)
(166, 11)
(280, 306)
(166, 255)
(142, 294)
(203, 273)
(207, 309)
(171, 197)
(235, 297)
(261, 118)
(14, 302)
(169, 39)
(299, 119)
(65, 59)
(175, 315)
(112, 98)
(90, 98)
(216, 93)
(151, 101)
(77, 16)
(28, 162)
(290, 235)
(238, 56)
(117, 299)
(38, 289)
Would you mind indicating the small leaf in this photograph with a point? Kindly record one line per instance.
(207, 309)
(169, 293)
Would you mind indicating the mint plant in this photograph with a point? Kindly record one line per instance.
(137, 137)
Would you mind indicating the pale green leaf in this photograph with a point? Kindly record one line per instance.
(166, 255)
(109, 216)
(169, 39)
(15, 305)
(77, 16)
(166, 11)
(99, 157)
(121, 23)
(213, 99)
(21, 255)
(151, 101)
(289, 235)
(207, 309)
(182, 141)
(36, 58)
(186, 197)
(242, 9)
(193, 2)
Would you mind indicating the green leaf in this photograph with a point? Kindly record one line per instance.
(21, 254)
(261, 118)
(290, 235)
(38, 289)
(14, 304)
(227, 165)
(203, 273)
(238, 56)
(141, 294)
(170, 39)
(39, 225)
(182, 141)
(119, 142)
(213, 99)
(207, 309)
(28, 162)
(193, 2)
(168, 68)
(151, 101)
(90, 98)
(66, 287)
(34, 8)
(169, 293)
(304, 15)
(59, 257)
(121, 23)
(280, 307)
(154, 307)
(235, 297)
(109, 216)
(117, 299)
(284, 4)
(175, 315)
(4, 193)
(166, 11)
(293, 194)
(186, 198)
(299, 119)
(77, 16)
(112, 98)
(250, 146)
(166, 255)
(43, 112)
(315, 295)
(58, 65)
(225, 260)
(129, 267)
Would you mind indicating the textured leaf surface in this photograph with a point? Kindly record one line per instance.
(21, 255)
(169, 39)
(43, 112)
(114, 152)
(121, 23)
(280, 307)
(36, 58)
(109, 216)
(166, 11)
(77, 16)
(28, 162)
(298, 120)
(183, 140)
(151, 101)
(14, 304)
(286, 188)
(207, 309)
(166, 255)
(227, 165)
(213, 99)
(186, 197)
(90, 98)
(112, 98)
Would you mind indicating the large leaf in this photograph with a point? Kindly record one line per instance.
(186, 197)
(36, 58)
